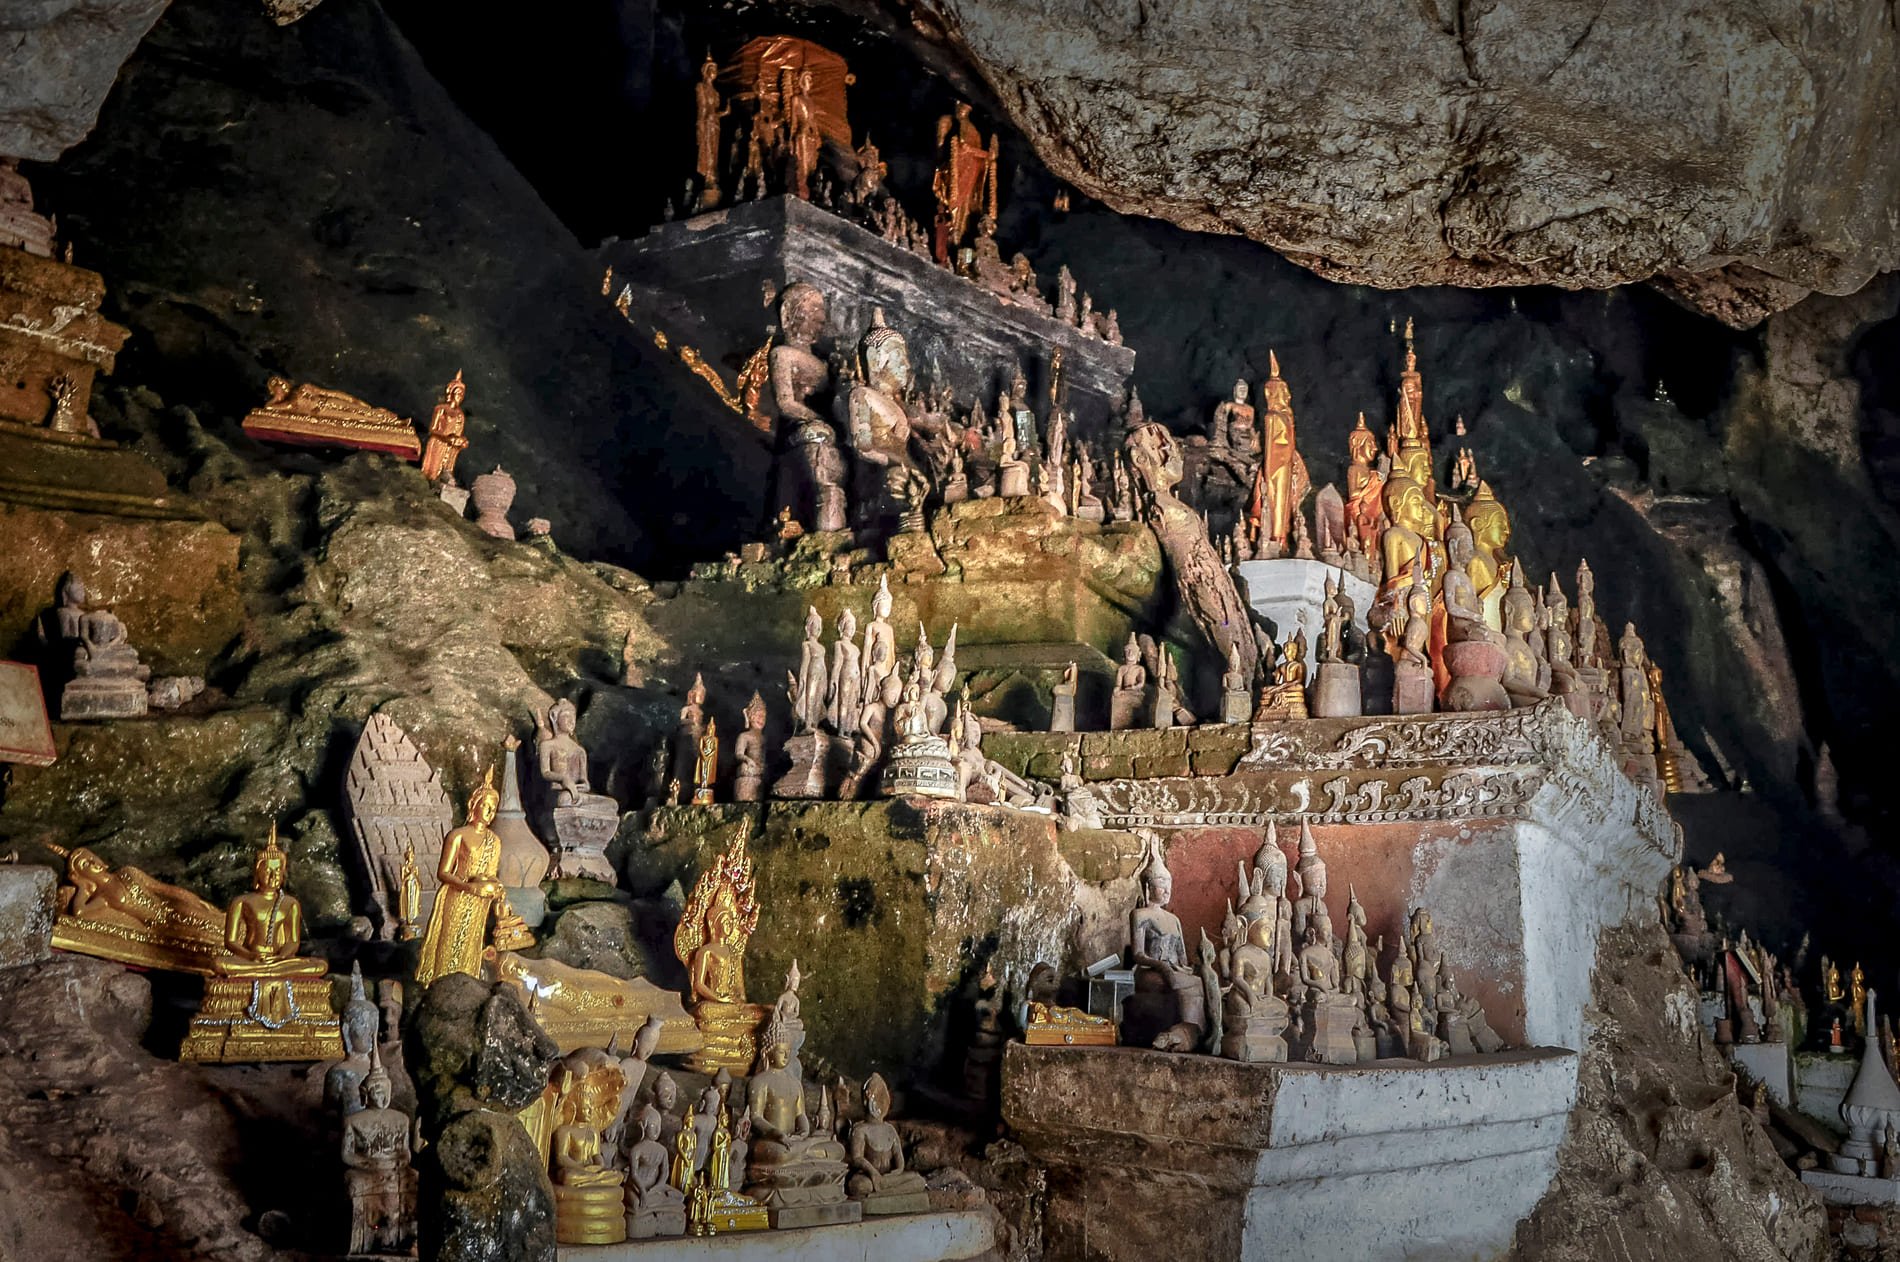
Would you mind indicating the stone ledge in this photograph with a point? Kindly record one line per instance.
(941, 1237)
(1852, 1189)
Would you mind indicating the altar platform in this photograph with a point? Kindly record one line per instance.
(1156, 1155)
(936, 1237)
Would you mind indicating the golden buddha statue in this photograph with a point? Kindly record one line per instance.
(588, 1205)
(471, 864)
(123, 914)
(446, 439)
(317, 416)
(1365, 485)
(264, 1001)
(583, 1007)
(1409, 541)
(408, 897)
(711, 939)
(1490, 535)
(706, 765)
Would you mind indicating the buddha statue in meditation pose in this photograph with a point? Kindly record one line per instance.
(1157, 948)
(720, 915)
(264, 1001)
(878, 1177)
(792, 1163)
(588, 1202)
(654, 1206)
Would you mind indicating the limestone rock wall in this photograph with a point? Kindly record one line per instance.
(1736, 153)
(1661, 1159)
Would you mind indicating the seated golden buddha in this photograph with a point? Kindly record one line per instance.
(264, 1001)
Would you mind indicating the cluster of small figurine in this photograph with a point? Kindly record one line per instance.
(624, 1170)
(1282, 984)
(776, 146)
(862, 719)
(908, 447)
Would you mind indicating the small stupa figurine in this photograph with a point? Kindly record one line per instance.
(446, 442)
(584, 821)
(494, 494)
(126, 915)
(1131, 688)
(796, 1169)
(108, 680)
(878, 1178)
(315, 416)
(720, 915)
(264, 1001)
(376, 1168)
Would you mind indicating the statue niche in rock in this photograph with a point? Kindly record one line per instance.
(584, 822)
(479, 1059)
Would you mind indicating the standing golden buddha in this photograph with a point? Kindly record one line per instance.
(711, 940)
(471, 865)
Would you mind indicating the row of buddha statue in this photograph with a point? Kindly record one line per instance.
(1282, 984)
(898, 448)
(778, 125)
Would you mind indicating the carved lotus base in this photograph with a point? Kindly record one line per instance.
(594, 1214)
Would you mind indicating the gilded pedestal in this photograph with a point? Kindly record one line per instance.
(592, 1213)
(731, 1033)
(264, 1018)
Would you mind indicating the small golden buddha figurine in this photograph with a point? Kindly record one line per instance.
(408, 897)
(126, 915)
(264, 1001)
(471, 864)
(706, 766)
(445, 433)
(711, 939)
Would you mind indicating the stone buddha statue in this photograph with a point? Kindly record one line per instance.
(880, 642)
(792, 1164)
(124, 914)
(844, 699)
(1310, 907)
(376, 1156)
(19, 225)
(1131, 688)
(1522, 674)
(1157, 950)
(654, 1206)
(583, 821)
(798, 376)
(108, 680)
(880, 421)
(877, 1176)
(748, 754)
(264, 1001)
(561, 759)
(718, 921)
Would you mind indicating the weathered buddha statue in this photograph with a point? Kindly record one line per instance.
(124, 914)
(877, 1176)
(720, 915)
(1310, 907)
(1157, 950)
(108, 682)
(845, 698)
(1565, 682)
(792, 1165)
(1475, 655)
(798, 376)
(464, 903)
(654, 1206)
(1427, 959)
(376, 1156)
(880, 642)
(1639, 715)
(1131, 688)
(809, 685)
(748, 754)
(561, 759)
(1521, 673)
(361, 1020)
(264, 1001)
(880, 422)
(583, 821)
(1233, 437)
